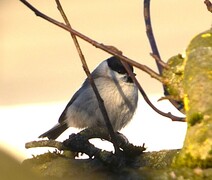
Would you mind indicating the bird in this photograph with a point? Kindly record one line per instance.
(119, 94)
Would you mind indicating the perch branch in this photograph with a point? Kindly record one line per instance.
(96, 44)
(46, 143)
(80, 143)
(209, 5)
(128, 148)
(86, 69)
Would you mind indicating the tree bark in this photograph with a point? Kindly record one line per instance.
(197, 85)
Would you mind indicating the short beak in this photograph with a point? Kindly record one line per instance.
(129, 79)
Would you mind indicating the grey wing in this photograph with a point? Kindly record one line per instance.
(74, 97)
(54, 132)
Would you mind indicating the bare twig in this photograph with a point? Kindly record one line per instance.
(108, 49)
(150, 34)
(96, 44)
(155, 51)
(113, 52)
(151, 38)
(164, 65)
(209, 5)
(86, 69)
(168, 115)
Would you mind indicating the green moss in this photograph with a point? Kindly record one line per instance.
(197, 85)
(195, 118)
(47, 157)
(65, 168)
(210, 152)
(189, 161)
(174, 75)
(158, 160)
(201, 40)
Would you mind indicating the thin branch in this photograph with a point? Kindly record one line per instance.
(168, 115)
(96, 44)
(209, 5)
(151, 38)
(86, 69)
(150, 34)
(155, 51)
(112, 51)
(164, 65)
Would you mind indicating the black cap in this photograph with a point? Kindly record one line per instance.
(115, 64)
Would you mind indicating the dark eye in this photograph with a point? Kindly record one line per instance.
(121, 71)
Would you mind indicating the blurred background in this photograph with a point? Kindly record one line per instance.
(40, 69)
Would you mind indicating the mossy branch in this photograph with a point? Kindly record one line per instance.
(79, 143)
(46, 143)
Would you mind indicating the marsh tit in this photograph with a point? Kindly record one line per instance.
(119, 93)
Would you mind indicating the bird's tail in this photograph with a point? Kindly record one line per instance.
(55, 132)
